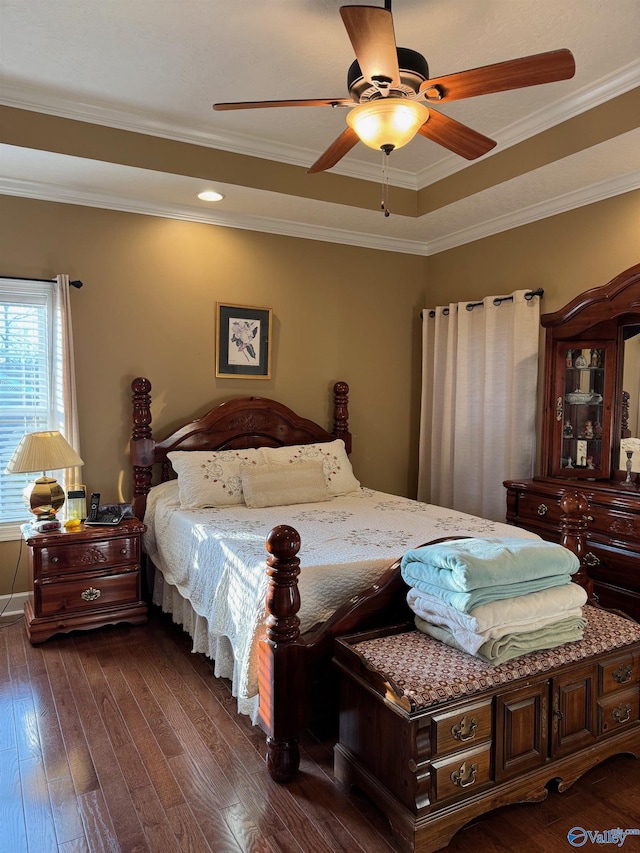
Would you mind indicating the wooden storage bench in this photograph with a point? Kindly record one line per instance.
(436, 737)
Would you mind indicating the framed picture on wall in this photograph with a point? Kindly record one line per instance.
(243, 335)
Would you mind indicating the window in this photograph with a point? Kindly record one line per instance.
(29, 338)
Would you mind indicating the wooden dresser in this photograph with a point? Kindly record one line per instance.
(590, 419)
(84, 578)
(435, 737)
(612, 528)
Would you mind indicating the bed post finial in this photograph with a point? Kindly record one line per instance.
(279, 656)
(341, 413)
(573, 526)
(141, 444)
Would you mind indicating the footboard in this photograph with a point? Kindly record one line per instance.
(295, 672)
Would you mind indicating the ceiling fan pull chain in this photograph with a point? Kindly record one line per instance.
(384, 204)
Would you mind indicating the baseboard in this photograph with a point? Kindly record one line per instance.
(14, 604)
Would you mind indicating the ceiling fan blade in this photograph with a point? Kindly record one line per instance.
(256, 105)
(513, 74)
(371, 32)
(336, 151)
(455, 136)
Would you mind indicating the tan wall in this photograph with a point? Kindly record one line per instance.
(147, 308)
(564, 254)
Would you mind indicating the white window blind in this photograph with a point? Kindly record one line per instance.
(27, 401)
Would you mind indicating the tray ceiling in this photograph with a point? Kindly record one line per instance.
(155, 67)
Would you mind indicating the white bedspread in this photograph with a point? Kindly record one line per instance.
(216, 560)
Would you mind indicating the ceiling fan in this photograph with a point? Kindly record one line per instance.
(389, 90)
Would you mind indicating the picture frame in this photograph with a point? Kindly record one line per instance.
(243, 336)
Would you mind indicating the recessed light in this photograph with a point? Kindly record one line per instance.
(210, 195)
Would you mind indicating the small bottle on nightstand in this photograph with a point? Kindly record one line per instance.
(77, 503)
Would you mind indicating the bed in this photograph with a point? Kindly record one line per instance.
(268, 626)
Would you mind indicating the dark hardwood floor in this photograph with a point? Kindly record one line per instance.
(121, 740)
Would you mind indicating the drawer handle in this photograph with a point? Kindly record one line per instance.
(55, 559)
(123, 550)
(591, 559)
(464, 776)
(465, 730)
(90, 594)
(542, 509)
(622, 714)
(623, 673)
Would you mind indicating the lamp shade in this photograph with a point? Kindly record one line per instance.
(42, 451)
(387, 123)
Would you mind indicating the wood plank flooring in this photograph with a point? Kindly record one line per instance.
(121, 740)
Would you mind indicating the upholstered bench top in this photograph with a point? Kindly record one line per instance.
(428, 671)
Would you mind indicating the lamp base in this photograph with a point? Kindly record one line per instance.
(44, 497)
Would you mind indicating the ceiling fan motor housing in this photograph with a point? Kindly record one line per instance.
(413, 72)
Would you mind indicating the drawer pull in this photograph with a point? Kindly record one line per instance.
(464, 776)
(591, 559)
(622, 714)
(123, 550)
(90, 594)
(623, 673)
(543, 509)
(465, 730)
(55, 559)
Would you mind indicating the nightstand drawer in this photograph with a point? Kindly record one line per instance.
(69, 557)
(88, 593)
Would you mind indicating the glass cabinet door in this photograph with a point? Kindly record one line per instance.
(582, 434)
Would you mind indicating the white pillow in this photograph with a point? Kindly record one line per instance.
(282, 485)
(211, 478)
(337, 467)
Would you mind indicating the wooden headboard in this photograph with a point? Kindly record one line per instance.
(235, 424)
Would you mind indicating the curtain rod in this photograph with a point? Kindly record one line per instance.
(497, 301)
(75, 283)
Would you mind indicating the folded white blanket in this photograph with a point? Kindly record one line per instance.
(496, 619)
(513, 645)
(464, 565)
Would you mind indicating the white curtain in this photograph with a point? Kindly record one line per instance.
(64, 376)
(478, 414)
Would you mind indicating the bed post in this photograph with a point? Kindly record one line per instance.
(141, 444)
(341, 413)
(573, 526)
(280, 676)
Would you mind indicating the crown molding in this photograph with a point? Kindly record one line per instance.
(35, 99)
(69, 195)
(563, 203)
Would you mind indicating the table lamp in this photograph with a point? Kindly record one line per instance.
(43, 451)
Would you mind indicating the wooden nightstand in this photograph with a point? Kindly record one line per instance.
(84, 578)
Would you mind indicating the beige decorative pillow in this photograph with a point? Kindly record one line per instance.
(282, 485)
(337, 467)
(211, 478)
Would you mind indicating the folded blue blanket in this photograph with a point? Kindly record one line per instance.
(463, 565)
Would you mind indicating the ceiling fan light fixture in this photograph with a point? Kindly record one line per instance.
(387, 123)
(210, 195)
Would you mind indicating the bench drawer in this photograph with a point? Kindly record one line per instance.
(462, 728)
(462, 774)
